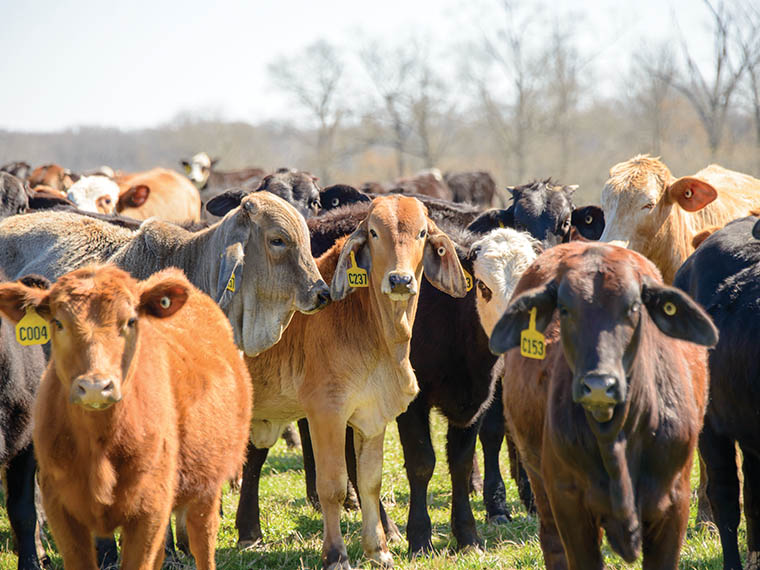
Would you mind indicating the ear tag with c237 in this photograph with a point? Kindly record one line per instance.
(357, 277)
(231, 283)
(532, 344)
(32, 329)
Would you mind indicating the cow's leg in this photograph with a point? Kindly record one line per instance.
(491, 435)
(704, 512)
(460, 449)
(662, 541)
(310, 470)
(247, 519)
(476, 478)
(369, 472)
(392, 533)
(577, 528)
(328, 433)
(419, 460)
(21, 509)
(143, 540)
(719, 453)
(183, 541)
(352, 502)
(551, 544)
(202, 527)
(751, 468)
(73, 539)
(520, 476)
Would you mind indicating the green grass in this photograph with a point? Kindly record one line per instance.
(293, 530)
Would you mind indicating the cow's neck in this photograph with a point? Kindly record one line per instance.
(671, 243)
(395, 319)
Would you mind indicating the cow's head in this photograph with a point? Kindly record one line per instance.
(393, 243)
(198, 168)
(52, 175)
(95, 316)
(94, 194)
(265, 244)
(640, 195)
(295, 186)
(339, 195)
(13, 196)
(605, 296)
(544, 210)
(499, 259)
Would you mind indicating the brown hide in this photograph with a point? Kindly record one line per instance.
(53, 175)
(171, 196)
(167, 432)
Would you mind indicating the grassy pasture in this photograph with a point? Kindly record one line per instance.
(293, 530)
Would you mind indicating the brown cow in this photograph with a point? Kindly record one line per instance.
(608, 422)
(160, 193)
(426, 182)
(137, 412)
(52, 175)
(654, 213)
(349, 363)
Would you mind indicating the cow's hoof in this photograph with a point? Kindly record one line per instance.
(381, 558)
(498, 519)
(417, 550)
(352, 500)
(476, 548)
(248, 544)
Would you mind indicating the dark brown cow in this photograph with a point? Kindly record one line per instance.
(473, 187)
(137, 412)
(426, 182)
(608, 422)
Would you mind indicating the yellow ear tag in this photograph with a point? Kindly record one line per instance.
(532, 341)
(357, 277)
(231, 283)
(468, 278)
(501, 225)
(32, 329)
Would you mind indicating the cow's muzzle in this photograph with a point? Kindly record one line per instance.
(599, 394)
(321, 297)
(401, 286)
(95, 393)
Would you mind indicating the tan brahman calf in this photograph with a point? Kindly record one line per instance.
(349, 363)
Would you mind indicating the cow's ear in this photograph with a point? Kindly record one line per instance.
(493, 219)
(506, 333)
(213, 162)
(692, 194)
(441, 263)
(163, 296)
(677, 315)
(756, 230)
(356, 243)
(133, 198)
(221, 204)
(16, 298)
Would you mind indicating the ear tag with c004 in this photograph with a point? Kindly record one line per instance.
(32, 329)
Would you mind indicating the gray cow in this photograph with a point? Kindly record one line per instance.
(256, 262)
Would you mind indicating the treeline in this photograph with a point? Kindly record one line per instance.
(519, 100)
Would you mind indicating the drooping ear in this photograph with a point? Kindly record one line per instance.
(221, 204)
(133, 198)
(164, 298)
(441, 264)
(232, 262)
(356, 242)
(16, 297)
(692, 194)
(677, 315)
(492, 219)
(506, 333)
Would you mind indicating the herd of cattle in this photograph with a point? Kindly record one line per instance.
(190, 321)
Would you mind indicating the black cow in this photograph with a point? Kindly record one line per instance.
(21, 368)
(588, 221)
(723, 275)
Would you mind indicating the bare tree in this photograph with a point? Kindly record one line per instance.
(711, 96)
(313, 77)
(749, 43)
(511, 117)
(649, 87)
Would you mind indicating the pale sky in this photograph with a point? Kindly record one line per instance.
(139, 63)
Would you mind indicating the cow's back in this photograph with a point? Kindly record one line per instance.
(172, 196)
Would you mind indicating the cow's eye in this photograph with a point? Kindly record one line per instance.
(635, 308)
(484, 291)
(132, 322)
(563, 312)
(277, 242)
(648, 206)
(373, 233)
(107, 200)
(335, 202)
(58, 324)
(422, 233)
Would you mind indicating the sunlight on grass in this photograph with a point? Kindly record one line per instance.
(293, 530)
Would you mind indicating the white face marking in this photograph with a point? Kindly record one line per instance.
(627, 210)
(503, 255)
(88, 189)
(200, 168)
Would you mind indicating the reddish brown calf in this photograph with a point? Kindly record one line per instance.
(607, 423)
(137, 414)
